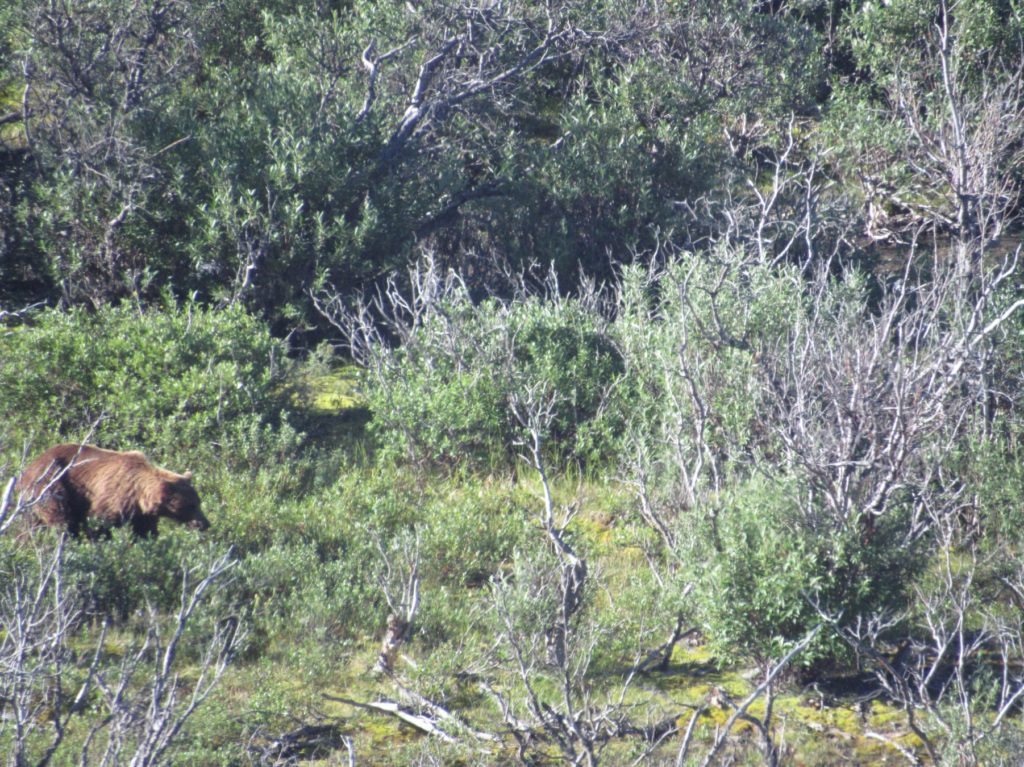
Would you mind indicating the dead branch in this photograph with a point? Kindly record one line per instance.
(399, 581)
(421, 722)
(146, 716)
(37, 619)
(740, 711)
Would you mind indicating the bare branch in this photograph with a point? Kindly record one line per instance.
(740, 711)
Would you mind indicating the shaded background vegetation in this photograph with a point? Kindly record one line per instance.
(247, 153)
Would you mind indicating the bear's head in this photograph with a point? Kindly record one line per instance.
(180, 501)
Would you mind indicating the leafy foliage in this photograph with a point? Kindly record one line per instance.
(178, 382)
(445, 395)
(249, 152)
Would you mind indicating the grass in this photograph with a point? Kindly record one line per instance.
(825, 734)
(307, 536)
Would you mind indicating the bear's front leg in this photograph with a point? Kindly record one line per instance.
(144, 525)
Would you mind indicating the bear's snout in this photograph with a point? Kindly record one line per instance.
(199, 522)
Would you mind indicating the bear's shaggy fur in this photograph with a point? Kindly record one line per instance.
(70, 484)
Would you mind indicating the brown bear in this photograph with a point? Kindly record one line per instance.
(70, 484)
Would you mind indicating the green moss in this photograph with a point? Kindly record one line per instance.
(332, 392)
(697, 654)
(821, 734)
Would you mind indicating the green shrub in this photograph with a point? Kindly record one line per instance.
(690, 332)
(295, 595)
(763, 571)
(173, 382)
(465, 539)
(309, 556)
(444, 396)
(125, 575)
(756, 572)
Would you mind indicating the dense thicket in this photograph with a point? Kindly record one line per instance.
(249, 153)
